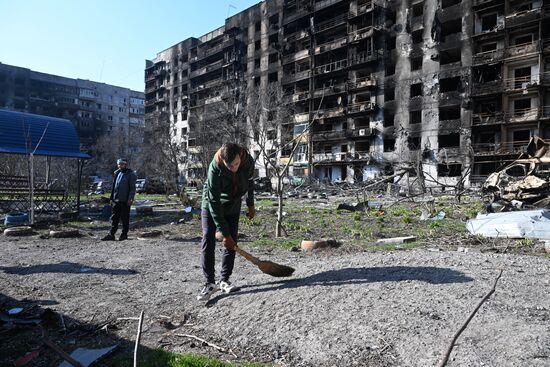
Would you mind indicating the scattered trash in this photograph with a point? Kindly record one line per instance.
(64, 233)
(15, 218)
(144, 210)
(87, 357)
(521, 224)
(15, 311)
(405, 239)
(425, 216)
(18, 231)
(29, 356)
(309, 245)
(149, 234)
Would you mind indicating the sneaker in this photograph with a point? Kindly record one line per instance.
(227, 287)
(109, 237)
(123, 237)
(207, 291)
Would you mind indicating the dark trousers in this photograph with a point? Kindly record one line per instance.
(121, 212)
(208, 257)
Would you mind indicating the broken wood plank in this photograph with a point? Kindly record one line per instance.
(387, 241)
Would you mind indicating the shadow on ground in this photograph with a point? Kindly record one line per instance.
(428, 274)
(63, 267)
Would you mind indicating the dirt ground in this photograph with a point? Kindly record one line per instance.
(342, 307)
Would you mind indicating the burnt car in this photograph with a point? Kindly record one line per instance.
(527, 179)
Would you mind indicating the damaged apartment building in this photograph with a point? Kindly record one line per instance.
(451, 88)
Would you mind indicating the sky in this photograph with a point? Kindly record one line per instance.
(103, 40)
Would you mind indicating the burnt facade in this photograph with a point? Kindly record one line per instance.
(449, 87)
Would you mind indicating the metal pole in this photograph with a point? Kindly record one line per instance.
(31, 188)
(79, 179)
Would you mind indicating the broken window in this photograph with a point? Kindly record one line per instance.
(272, 77)
(389, 145)
(257, 26)
(521, 136)
(521, 106)
(522, 40)
(417, 36)
(257, 45)
(390, 69)
(449, 140)
(488, 47)
(274, 57)
(257, 63)
(418, 9)
(451, 27)
(447, 3)
(327, 148)
(413, 142)
(449, 170)
(362, 146)
(391, 43)
(389, 94)
(388, 118)
(488, 22)
(415, 117)
(450, 56)
(449, 113)
(416, 63)
(487, 73)
(416, 90)
(449, 84)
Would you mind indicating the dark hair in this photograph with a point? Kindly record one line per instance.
(230, 151)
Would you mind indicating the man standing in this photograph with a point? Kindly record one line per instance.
(122, 197)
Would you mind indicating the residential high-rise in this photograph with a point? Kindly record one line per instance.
(446, 89)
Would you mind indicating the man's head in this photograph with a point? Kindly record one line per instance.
(122, 163)
(230, 154)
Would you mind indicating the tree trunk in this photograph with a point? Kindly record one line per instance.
(279, 193)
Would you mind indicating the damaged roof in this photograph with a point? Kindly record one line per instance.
(23, 133)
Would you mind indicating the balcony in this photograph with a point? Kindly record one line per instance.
(301, 117)
(300, 75)
(298, 55)
(449, 13)
(296, 36)
(302, 9)
(523, 115)
(325, 3)
(360, 34)
(492, 87)
(488, 118)
(330, 23)
(484, 3)
(331, 67)
(522, 83)
(522, 50)
(364, 82)
(523, 17)
(211, 67)
(331, 135)
(332, 112)
(488, 57)
(329, 157)
(361, 9)
(367, 106)
(503, 148)
(366, 56)
(202, 53)
(332, 45)
(300, 96)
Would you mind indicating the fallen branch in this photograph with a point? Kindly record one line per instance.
(463, 327)
(138, 337)
(223, 350)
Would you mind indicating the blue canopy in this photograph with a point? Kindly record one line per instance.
(25, 133)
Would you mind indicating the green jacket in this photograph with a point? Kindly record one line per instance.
(219, 196)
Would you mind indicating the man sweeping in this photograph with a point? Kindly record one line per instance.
(229, 178)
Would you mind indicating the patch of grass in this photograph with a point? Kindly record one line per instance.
(162, 358)
(251, 222)
(407, 218)
(357, 216)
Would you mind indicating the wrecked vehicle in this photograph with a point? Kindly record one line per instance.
(526, 180)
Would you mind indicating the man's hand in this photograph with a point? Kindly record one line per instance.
(229, 243)
(251, 212)
(130, 202)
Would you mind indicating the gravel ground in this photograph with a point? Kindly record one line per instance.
(338, 309)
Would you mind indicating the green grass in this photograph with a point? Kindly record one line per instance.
(162, 358)
(284, 242)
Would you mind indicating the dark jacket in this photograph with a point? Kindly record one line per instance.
(220, 196)
(124, 189)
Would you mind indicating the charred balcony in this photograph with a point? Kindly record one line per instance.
(362, 7)
(330, 24)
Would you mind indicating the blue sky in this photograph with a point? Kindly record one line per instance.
(103, 40)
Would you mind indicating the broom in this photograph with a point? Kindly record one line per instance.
(267, 267)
